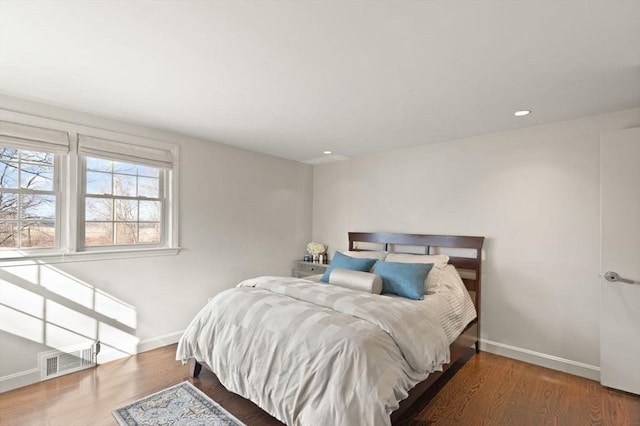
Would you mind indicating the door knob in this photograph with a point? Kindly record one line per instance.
(614, 277)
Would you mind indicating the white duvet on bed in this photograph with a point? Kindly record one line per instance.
(316, 354)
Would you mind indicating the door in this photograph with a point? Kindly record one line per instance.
(620, 260)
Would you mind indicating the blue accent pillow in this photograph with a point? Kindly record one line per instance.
(346, 262)
(403, 279)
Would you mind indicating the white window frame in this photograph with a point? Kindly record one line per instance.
(69, 201)
(82, 196)
(58, 161)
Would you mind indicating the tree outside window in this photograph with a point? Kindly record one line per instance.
(122, 203)
(27, 199)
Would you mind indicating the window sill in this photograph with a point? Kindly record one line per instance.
(13, 259)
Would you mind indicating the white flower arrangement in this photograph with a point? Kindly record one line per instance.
(315, 248)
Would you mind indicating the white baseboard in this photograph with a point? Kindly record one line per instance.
(592, 372)
(20, 379)
(28, 377)
(532, 357)
(159, 341)
(155, 342)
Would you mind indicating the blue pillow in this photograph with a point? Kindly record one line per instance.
(403, 279)
(346, 262)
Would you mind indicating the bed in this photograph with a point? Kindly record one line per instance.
(300, 349)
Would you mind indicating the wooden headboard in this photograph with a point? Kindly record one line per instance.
(471, 265)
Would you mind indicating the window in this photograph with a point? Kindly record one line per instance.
(123, 199)
(28, 198)
(60, 199)
(123, 203)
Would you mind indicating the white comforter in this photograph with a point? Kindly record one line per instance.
(316, 354)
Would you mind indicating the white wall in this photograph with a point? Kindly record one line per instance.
(242, 214)
(534, 195)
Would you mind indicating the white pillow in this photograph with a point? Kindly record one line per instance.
(450, 280)
(378, 255)
(436, 259)
(356, 280)
(432, 282)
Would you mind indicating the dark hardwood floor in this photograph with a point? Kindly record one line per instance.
(493, 390)
(487, 390)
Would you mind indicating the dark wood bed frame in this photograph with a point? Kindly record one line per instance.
(399, 243)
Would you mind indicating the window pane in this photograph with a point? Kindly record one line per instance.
(8, 174)
(126, 233)
(150, 233)
(8, 232)
(125, 189)
(8, 206)
(148, 171)
(38, 234)
(43, 158)
(98, 233)
(98, 209)
(37, 177)
(130, 169)
(38, 206)
(148, 187)
(127, 210)
(8, 153)
(31, 215)
(124, 185)
(98, 183)
(98, 164)
(150, 211)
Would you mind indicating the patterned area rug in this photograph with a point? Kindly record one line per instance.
(182, 404)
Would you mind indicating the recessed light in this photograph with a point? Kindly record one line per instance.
(522, 113)
(327, 152)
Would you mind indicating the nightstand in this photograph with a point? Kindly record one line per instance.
(303, 269)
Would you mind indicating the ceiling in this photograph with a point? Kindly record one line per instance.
(295, 78)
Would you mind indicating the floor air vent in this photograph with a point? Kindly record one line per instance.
(58, 363)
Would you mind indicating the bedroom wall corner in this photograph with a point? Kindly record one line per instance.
(533, 193)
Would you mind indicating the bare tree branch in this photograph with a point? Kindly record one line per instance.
(39, 166)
